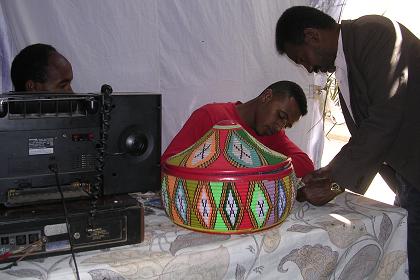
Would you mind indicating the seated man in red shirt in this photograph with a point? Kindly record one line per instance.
(265, 117)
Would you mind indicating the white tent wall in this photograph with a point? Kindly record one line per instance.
(114, 42)
(192, 52)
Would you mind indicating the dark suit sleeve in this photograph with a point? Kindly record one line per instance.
(377, 68)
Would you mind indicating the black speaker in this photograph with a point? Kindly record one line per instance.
(133, 145)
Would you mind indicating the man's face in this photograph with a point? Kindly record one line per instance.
(314, 54)
(275, 113)
(59, 75)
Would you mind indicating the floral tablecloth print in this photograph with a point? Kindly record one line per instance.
(351, 237)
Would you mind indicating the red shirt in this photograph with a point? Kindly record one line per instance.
(204, 118)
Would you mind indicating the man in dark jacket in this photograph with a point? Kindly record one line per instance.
(377, 65)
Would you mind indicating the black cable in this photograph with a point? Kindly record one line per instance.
(54, 169)
(9, 265)
(105, 118)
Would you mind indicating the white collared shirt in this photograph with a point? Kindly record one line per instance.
(341, 74)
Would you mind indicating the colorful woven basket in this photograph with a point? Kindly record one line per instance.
(228, 182)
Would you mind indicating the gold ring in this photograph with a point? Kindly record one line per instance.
(336, 188)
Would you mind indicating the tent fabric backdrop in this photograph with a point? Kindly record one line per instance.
(192, 52)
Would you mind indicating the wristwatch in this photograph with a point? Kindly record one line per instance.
(336, 188)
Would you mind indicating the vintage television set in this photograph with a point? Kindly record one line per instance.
(98, 143)
(69, 162)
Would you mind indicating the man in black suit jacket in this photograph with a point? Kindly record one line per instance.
(377, 64)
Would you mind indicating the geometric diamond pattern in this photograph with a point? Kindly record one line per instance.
(292, 186)
(240, 153)
(260, 204)
(271, 187)
(281, 205)
(165, 196)
(231, 207)
(205, 206)
(227, 206)
(204, 154)
(181, 204)
(201, 153)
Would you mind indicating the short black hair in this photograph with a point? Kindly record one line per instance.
(292, 89)
(294, 20)
(30, 64)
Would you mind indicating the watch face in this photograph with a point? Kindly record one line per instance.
(336, 188)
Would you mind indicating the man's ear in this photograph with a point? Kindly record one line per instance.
(312, 35)
(30, 85)
(267, 95)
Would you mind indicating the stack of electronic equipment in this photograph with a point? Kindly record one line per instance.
(69, 162)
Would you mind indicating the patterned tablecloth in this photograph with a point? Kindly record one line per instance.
(352, 237)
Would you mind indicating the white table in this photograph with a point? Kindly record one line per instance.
(352, 237)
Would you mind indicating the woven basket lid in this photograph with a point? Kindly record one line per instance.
(226, 150)
(228, 182)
